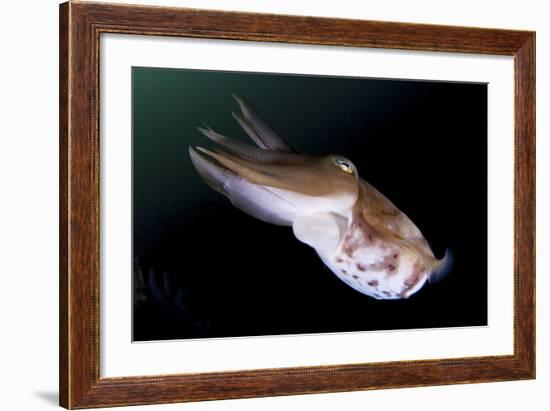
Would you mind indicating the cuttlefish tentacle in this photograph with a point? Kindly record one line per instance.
(357, 232)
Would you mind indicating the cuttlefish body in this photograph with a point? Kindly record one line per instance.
(357, 232)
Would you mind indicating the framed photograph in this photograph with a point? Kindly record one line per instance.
(259, 205)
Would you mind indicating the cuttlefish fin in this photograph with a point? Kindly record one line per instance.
(322, 231)
(258, 130)
(442, 268)
(255, 200)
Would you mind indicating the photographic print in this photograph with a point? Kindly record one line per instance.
(274, 204)
(263, 210)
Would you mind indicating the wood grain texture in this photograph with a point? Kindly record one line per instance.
(63, 205)
(525, 203)
(80, 27)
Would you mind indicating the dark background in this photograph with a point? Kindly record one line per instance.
(202, 268)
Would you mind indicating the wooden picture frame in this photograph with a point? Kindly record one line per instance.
(81, 24)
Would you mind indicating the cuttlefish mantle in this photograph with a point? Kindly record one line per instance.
(358, 233)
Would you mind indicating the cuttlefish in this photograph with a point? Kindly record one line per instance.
(360, 235)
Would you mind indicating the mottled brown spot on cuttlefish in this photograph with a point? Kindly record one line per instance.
(418, 269)
(339, 260)
(391, 267)
(349, 248)
(361, 267)
(344, 272)
(373, 283)
(413, 280)
(392, 213)
(386, 293)
(355, 276)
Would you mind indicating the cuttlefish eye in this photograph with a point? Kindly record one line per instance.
(343, 165)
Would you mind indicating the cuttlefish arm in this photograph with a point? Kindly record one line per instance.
(328, 206)
(258, 130)
(250, 198)
(273, 185)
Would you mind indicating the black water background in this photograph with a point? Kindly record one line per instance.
(209, 270)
